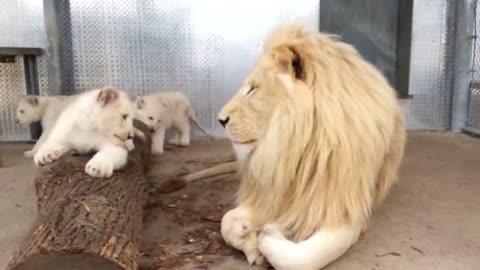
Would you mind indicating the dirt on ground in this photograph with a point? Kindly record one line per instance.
(197, 209)
(429, 221)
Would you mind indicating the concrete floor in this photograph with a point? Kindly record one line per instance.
(431, 220)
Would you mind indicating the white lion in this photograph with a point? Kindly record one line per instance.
(165, 110)
(44, 109)
(98, 120)
(320, 137)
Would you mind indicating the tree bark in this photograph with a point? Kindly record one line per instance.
(84, 222)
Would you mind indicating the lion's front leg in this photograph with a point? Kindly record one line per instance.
(238, 232)
(316, 252)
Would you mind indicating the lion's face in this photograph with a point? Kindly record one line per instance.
(28, 110)
(149, 112)
(248, 114)
(115, 114)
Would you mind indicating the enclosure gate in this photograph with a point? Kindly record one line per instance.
(473, 119)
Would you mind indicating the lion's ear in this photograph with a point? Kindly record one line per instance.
(32, 100)
(140, 103)
(289, 60)
(107, 95)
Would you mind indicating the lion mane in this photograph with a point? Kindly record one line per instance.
(332, 152)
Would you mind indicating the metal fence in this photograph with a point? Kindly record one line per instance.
(473, 119)
(204, 49)
(21, 25)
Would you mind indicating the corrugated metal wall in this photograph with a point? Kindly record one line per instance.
(201, 48)
(474, 105)
(432, 63)
(205, 48)
(21, 25)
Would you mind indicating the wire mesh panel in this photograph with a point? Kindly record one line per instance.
(201, 48)
(43, 75)
(21, 23)
(432, 63)
(12, 84)
(474, 102)
(205, 48)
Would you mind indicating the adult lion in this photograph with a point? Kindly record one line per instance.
(320, 136)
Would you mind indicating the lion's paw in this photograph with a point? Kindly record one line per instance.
(176, 141)
(275, 247)
(271, 230)
(48, 154)
(99, 167)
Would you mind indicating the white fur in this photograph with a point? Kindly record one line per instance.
(98, 120)
(314, 253)
(239, 232)
(242, 150)
(165, 110)
(45, 109)
(322, 248)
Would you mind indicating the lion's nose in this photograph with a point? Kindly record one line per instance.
(224, 122)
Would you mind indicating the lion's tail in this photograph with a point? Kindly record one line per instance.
(389, 172)
(222, 168)
(193, 119)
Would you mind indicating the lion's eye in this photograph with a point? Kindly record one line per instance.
(124, 116)
(150, 118)
(21, 111)
(251, 90)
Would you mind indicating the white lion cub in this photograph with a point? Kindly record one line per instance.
(98, 120)
(165, 110)
(45, 109)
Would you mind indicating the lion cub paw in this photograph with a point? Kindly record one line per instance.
(157, 152)
(48, 154)
(178, 142)
(99, 167)
(29, 154)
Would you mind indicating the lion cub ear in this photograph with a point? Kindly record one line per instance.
(32, 100)
(140, 103)
(289, 60)
(107, 95)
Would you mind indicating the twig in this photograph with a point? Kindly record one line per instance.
(418, 250)
(87, 208)
(392, 253)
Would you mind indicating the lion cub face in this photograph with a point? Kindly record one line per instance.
(248, 114)
(149, 112)
(28, 110)
(115, 114)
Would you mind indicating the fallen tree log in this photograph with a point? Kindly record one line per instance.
(84, 222)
